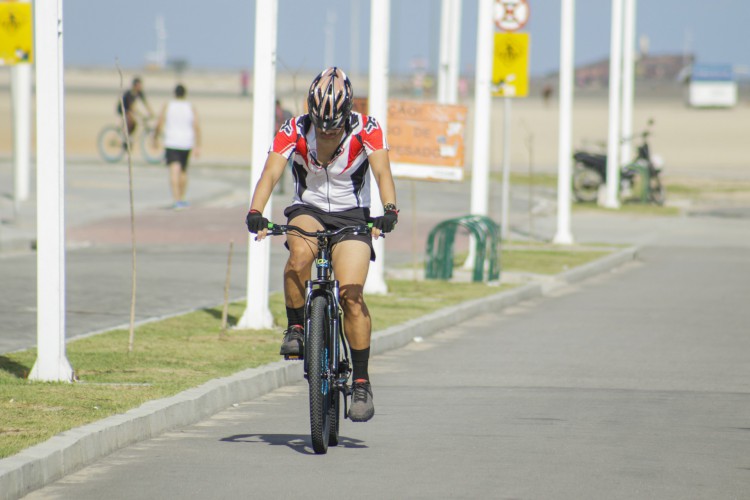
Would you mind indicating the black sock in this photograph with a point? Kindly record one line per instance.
(360, 359)
(295, 316)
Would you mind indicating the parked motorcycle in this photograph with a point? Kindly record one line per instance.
(590, 172)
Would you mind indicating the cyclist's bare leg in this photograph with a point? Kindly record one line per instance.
(351, 261)
(302, 252)
(131, 122)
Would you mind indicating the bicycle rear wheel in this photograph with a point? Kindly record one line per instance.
(153, 154)
(656, 190)
(335, 418)
(317, 354)
(586, 184)
(111, 144)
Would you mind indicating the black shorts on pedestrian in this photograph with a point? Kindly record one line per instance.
(178, 155)
(335, 220)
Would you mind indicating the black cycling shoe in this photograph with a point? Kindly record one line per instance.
(362, 408)
(292, 343)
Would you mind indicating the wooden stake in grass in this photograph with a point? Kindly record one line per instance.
(226, 290)
(414, 260)
(126, 134)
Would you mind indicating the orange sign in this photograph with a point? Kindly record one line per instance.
(426, 139)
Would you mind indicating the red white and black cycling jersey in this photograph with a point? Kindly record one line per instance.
(345, 183)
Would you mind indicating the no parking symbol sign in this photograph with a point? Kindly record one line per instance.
(511, 15)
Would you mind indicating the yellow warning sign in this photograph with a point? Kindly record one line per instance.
(16, 33)
(510, 68)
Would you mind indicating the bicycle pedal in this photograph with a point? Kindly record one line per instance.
(292, 357)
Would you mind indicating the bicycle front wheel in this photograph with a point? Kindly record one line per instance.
(111, 144)
(317, 355)
(153, 154)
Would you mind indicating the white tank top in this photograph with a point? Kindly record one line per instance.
(178, 129)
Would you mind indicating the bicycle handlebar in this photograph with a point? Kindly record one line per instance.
(279, 229)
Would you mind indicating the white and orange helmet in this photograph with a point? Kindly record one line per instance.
(329, 101)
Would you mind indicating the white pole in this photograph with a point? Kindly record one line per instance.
(329, 55)
(455, 52)
(504, 224)
(20, 86)
(450, 43)
(565, 127)
(51, 363)
(257, 314)
(380, 15)
(444, 57)
(615, 85)
(628, 79)
(354, 24)
(480, 170)
(482, 104)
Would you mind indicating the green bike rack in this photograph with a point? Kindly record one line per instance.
(439, 258)
(645, 177)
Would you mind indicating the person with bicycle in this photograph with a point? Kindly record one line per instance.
(332, 150)
(127, 105)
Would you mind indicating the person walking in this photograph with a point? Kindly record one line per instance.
(333, 151)
(182, 135)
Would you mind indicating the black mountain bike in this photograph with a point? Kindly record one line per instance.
(326, 356)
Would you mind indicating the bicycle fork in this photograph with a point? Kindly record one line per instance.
(337, 369)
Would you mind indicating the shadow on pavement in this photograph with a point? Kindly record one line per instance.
(297, 442)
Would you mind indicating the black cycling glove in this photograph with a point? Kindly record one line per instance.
(387, 222)
(256, 222)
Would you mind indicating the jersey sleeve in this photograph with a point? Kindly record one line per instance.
(285, 140)
(373, 137)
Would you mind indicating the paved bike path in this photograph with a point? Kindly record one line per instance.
(633, 384)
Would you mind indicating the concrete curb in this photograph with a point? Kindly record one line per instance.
(599, 266)
(71, 450)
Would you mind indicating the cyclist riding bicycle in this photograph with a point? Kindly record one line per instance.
(129, 98)
(332, 150)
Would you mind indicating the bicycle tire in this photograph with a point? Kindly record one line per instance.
(335, 418)
(151, 154)
(319, 382)
(110, 144)
(586, 184)
(656, 191)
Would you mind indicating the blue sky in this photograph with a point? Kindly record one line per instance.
(219, 34)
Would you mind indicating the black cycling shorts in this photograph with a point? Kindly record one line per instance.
(178, 155)
(335, 220)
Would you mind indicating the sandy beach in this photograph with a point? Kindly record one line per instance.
(707, 143)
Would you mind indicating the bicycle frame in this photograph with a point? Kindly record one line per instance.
(111, 139)
(326, 355)
(325, 285)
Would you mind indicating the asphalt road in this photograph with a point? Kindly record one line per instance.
(633, 384)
